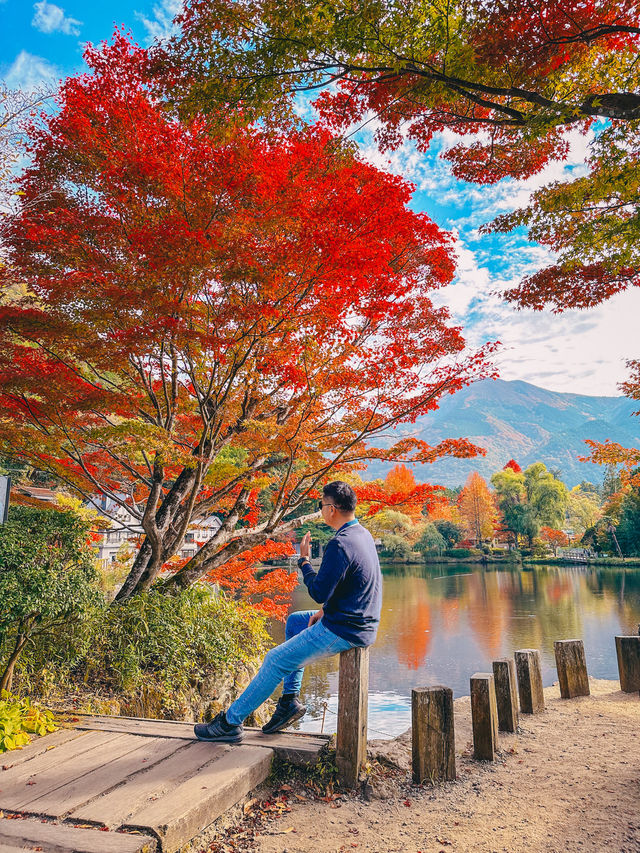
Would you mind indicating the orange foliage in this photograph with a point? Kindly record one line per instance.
(556, 538)
(611, 453)
(477, 508)
(400, 492)
(270, 593)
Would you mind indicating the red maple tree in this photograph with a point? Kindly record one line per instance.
(401, 492)
(216, 321)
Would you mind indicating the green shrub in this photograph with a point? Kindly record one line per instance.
(19, 719)
(395, 546)
(462, 552)
(47, 580)
(431, 542)
(179, 639)
(156, 655)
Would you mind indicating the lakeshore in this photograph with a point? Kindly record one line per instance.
(567, 781)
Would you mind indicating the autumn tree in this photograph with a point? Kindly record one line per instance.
(555, 538)
(400, 492)
(512, 79)
(212, 316)
(477, 508)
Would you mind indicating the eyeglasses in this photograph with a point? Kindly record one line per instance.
(320, 505)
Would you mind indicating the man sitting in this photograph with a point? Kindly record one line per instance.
(348, 585)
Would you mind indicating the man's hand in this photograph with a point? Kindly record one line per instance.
(316, 617)
(305, 545)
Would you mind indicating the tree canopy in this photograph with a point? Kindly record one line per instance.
(512, 78)
(213, 315)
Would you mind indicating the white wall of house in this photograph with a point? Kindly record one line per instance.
(125, 528)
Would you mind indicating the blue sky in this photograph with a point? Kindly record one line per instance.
(579, 352)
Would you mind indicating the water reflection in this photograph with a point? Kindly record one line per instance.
(440, 624)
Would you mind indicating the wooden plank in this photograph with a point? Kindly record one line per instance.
(37, 747)
(116, 807)
(54, 838)
(35, 780)
(17, 776)
(433, 757)
(197, 802)
(353, 695)
(571, 665)
(143, 753)
(296, 747)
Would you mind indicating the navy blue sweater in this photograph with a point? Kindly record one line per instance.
(348, 584)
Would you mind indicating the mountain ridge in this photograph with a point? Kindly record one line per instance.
(517, 420)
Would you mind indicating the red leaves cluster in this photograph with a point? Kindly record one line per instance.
(252, 305)
(268, 591)
(514, 466)
(265, 589)
(539, 36)
(400, 492)
(556, 538)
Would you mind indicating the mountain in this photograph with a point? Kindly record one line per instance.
(515, 420)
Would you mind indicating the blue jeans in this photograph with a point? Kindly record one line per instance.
(302, 645)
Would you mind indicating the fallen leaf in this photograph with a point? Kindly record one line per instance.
(407, 803)
(248, 806)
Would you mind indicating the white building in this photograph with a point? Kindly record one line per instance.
(126, 528)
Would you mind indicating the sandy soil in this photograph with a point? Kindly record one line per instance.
(569, 781)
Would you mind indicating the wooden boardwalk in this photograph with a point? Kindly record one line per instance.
(129, 785)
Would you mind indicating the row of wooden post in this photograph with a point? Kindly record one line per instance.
(497, 698)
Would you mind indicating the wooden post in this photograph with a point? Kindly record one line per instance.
(432, 741)
(572, 668)
(529, 681)
(504, 675)
(484, 716)
(353, 691)
(628, 652)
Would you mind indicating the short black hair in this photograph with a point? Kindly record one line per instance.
(341, 495)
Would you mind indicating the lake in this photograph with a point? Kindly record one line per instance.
(441, 623)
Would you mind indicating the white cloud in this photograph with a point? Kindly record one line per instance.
(580, 352)
(160, 25)
(50, 18)
(30, 72)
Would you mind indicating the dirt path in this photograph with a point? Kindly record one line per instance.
(570, 781)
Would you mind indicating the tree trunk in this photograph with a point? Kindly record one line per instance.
(6, 681)
(139, 577)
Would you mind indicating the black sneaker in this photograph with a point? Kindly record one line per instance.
(286, 712)
(219, 730)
